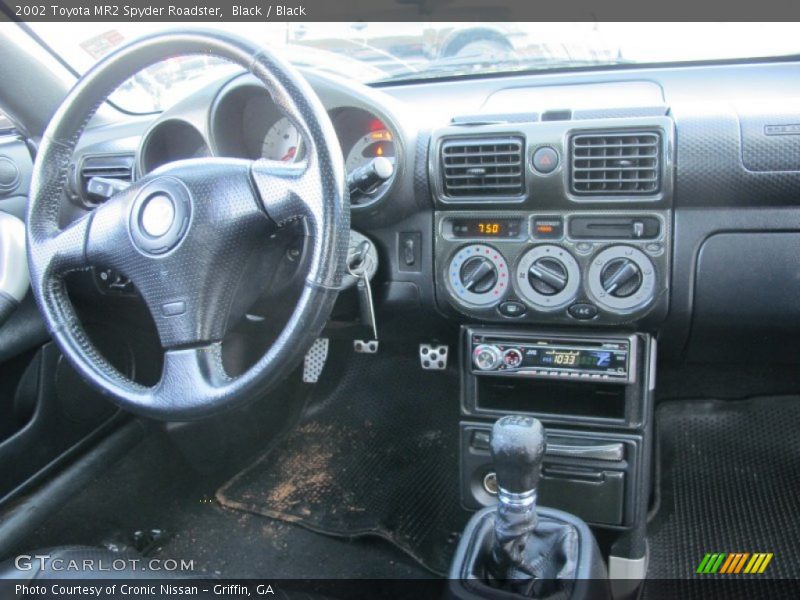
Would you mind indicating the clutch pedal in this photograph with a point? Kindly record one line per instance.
(315, 360)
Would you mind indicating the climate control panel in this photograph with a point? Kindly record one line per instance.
(605, 268)
(478, 275)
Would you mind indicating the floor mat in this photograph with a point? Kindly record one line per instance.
(376, 453)
(729, 476)
(153, 487)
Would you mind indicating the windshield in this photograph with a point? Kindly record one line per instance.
(379, 52)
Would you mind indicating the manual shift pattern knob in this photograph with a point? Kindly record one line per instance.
(518, 445)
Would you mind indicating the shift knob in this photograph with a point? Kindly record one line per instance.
(517, 447)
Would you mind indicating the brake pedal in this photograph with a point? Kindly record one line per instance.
(314, 361)
(433, 357)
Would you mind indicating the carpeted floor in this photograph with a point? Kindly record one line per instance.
(375, 453)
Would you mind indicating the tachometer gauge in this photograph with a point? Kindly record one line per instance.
(282, 142)
(374, 144)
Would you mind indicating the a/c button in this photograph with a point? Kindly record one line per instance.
(583, 311)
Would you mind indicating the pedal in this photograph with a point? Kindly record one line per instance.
(314, 361)
(433, 357)
(365, 346)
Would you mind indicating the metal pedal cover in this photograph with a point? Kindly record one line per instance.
(315, 360)
(365, 346)
(433, 357)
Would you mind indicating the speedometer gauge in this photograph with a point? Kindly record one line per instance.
(374, 144)
(282, 142)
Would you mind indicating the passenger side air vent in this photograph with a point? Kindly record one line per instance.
(483, 167)
(114, 166)
(615, 163)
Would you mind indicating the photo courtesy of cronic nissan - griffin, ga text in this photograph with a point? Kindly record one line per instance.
(460, 310)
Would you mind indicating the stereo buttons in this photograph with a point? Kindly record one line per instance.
(486, 357)
(512, 358)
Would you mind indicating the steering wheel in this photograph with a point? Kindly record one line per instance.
(182, 233)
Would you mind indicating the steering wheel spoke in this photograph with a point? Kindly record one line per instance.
(288, 191)
(107, 240)
(67, 247)
(194, 370)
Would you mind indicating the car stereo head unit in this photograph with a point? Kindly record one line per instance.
(579, 359)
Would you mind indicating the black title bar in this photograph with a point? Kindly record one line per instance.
(210, 11)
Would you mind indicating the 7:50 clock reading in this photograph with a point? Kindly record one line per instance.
(486, 228)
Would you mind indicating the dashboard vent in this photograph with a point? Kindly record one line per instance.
(483, 167)
(615, 163)
(115, 166)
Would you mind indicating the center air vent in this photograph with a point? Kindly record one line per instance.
(483, 167)
(114, 166)
(615, 163)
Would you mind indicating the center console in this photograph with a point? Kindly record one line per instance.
(593, 393)
(552, 247)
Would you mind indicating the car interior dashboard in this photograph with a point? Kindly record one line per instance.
(554, 236)
(629, 176)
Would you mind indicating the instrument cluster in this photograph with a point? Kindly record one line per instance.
(242, 121)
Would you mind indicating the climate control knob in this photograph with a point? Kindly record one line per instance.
(547, 277)
(486, 357)
(478, 276)
(621, 279)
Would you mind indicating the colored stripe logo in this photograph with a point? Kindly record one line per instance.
(734, 563)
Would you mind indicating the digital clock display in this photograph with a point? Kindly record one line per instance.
(486, 228)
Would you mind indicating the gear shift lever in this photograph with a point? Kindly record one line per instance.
(517, 451)
(517, 447)
(529, 552)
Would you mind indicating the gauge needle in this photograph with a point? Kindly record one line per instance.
(290, 153)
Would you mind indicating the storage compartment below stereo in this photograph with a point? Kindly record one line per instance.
(591, 475)
(595, 495)
(542, 397)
